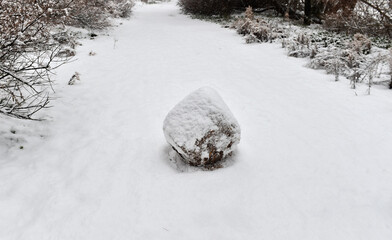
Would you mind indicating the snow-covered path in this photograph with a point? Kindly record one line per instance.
(315, 161)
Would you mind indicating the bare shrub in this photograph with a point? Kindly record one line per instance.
(370, 17)
(88, 13)
(29, 51)
(27, 57)
(208, 7)
(345, 7)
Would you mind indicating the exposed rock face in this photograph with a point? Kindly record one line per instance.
(201, 128)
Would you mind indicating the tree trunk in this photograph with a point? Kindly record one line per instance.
(287, 13)
(390, 84)
(308, 12)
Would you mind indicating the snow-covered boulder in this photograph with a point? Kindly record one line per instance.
(201, 128)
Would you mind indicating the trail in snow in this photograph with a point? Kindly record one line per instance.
(314, 161)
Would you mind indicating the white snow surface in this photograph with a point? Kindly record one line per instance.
(192, 118)
(315, 159)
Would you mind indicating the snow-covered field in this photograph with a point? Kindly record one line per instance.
(314, 162)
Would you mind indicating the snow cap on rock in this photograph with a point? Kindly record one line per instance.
(201, 128)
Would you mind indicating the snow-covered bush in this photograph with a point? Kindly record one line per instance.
(341, 55)
(348, 60)
(30, 50)
(120, 8)
(255, 29)
(202, 129)
(300, 46)
(332, 61)
(361, 44)
(348, 55)
(93, 14)
(27, 54)
(88, 13)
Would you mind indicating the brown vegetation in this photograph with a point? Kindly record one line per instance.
(353, 16)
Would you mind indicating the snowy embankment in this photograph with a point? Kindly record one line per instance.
(314, 160)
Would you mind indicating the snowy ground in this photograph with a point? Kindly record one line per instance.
(314, 161)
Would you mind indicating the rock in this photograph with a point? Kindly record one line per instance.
(201, 128)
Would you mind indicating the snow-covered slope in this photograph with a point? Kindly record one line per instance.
(314, 160)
